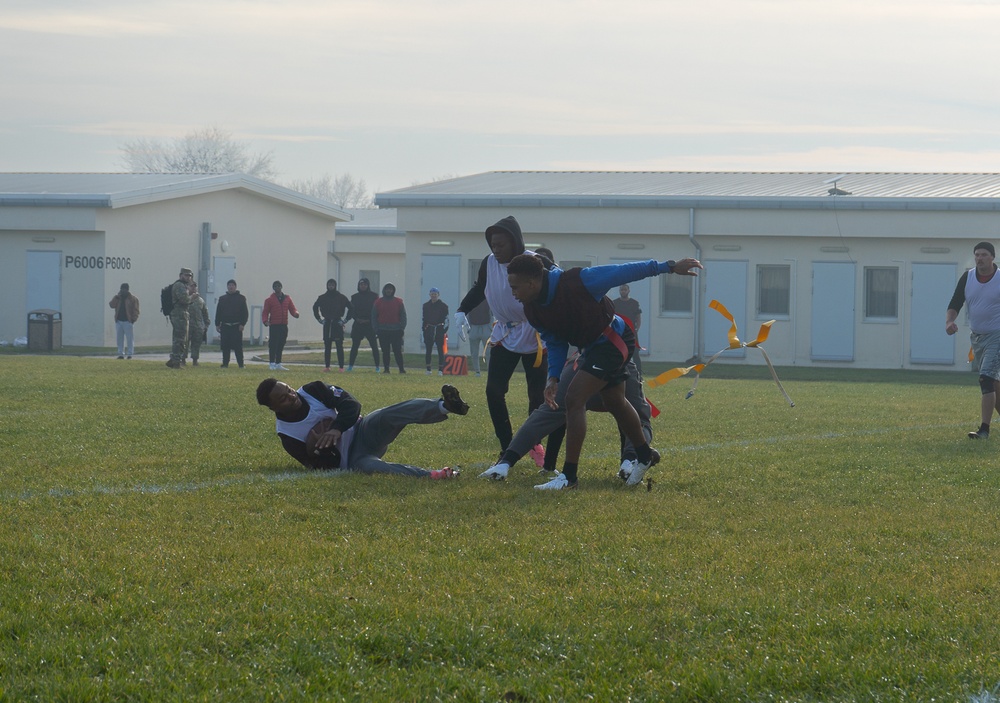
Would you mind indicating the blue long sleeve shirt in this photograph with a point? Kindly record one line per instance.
(598, 280)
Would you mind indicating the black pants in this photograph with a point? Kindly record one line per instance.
(363, 330)
(276, 342)
(503, 362)
(392, 340)
(434, 337)
(333, 333)
(231, 340)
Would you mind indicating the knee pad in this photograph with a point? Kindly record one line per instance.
(986, 384)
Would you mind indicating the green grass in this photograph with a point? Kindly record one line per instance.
(156, 543)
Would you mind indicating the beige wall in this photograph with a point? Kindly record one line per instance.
(269, 240)
(799, 238)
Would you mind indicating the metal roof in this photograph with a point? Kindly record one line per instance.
(113, 190)
(706, 189)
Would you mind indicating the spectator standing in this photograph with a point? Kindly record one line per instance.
(198, 322)
(231, 316)
(435, 322)
(331, 310)
(179, 318)
(361, 310)
(126, 307)
(277, 308)
(389, 323)
(629, 308)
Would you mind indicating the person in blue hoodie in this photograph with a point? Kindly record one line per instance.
(572, 307)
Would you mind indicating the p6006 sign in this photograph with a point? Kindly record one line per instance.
(98, 262)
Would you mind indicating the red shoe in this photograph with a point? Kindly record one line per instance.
(446, 472)
(537, 453)
(326, 370)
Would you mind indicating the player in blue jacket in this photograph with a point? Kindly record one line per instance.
(572, 307)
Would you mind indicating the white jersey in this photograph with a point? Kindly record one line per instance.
(511, 328)
(317, 411)
(984, 303)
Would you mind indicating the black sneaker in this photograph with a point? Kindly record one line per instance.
(453, 402)
(979, 434)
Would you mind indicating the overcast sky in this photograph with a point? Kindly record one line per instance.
(404, 91)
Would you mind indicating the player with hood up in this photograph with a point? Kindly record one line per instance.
(513, 341)
(361, 311)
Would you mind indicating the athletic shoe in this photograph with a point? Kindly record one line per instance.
(121, 356)
(279, 367)
(626, 469)
(271, 366)
(979, 434)
(453, 402)
(478, 374)
(440, 373)
(446, 472)
(427, 372)
(326, 369)
(557, 484)
(639, 472)
(341, 369)
(129, 356)
(498, 472)
(537, 454)
(351, 368)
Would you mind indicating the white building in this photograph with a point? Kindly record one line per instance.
(857, 269)
(68, 242)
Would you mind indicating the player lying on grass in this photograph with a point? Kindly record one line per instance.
(322, 427)
(545, 420)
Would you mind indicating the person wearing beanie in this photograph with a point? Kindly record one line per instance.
(126, 307)
(231, 316)
(980, 288)
(331, 310)
(361, 310)
(389, 323)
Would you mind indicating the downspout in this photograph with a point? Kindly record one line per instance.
(699, 319)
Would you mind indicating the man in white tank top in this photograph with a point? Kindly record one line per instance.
(980, 288)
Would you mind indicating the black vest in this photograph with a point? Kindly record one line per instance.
(573, 315)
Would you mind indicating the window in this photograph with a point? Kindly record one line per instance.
(676, 294)
(773, 290)
(881, 293)
(373, 280)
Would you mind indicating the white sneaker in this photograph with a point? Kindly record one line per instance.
(498, 472)
(279, 367)
(557, 484)
(271, 366)
(639, 472)
(626, 469)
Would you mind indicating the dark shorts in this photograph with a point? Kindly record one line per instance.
(604, 360)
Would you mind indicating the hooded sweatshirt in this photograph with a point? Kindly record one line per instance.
(388, 312)
(512, 329)
(362, 302)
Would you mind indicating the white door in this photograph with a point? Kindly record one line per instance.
(832, 321)
(931, 287)
(44, 289)
(223, 269)
(444, 272)
(725, 281)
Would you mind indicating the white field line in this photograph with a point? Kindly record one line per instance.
(250, 479)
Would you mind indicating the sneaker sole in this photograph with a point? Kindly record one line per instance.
(453, 402)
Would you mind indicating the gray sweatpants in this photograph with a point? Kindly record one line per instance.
(378, 430)
(543, 420)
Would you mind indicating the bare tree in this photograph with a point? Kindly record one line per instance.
(344, 191)
(209, 150)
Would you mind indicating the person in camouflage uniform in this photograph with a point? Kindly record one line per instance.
(198, 322)
(179, 318)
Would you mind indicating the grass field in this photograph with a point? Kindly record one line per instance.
(156, 544)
